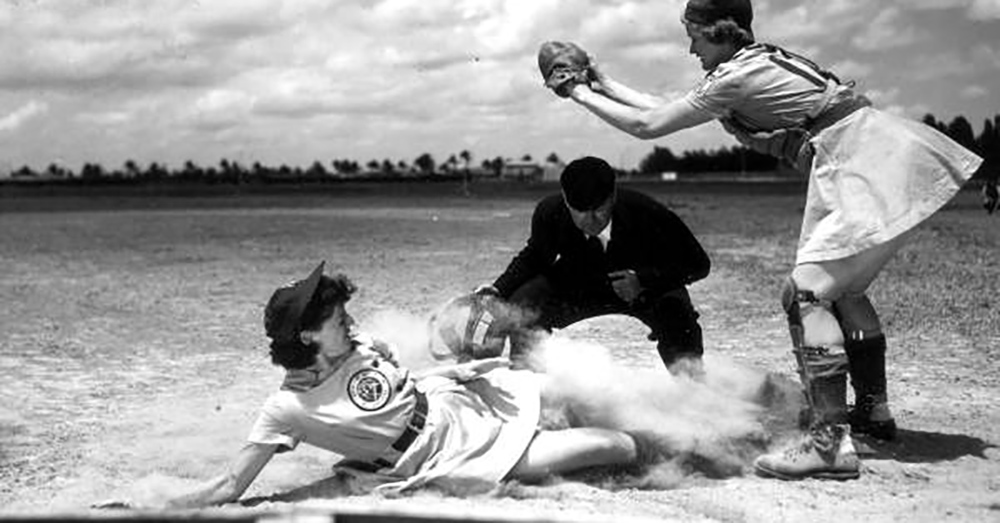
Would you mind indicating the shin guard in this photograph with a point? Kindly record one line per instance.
(822, 369)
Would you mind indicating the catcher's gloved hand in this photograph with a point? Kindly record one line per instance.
(563, 65)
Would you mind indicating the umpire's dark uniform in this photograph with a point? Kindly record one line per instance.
(561, 275)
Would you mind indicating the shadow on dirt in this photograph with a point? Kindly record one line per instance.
(914, 446)
(336, 486)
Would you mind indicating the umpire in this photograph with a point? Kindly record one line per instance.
(598, 249)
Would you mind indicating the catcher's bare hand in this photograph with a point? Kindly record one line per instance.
(597, 80)
(563, 65)
(626, 284)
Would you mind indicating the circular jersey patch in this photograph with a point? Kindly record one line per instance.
(368, 389)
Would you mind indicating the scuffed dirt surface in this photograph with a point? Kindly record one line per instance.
(132, 362)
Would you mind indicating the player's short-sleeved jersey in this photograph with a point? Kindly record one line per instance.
(357, 412)
(763, 87)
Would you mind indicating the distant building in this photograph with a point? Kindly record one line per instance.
(521, 170)
(531, 171)
(551, 171)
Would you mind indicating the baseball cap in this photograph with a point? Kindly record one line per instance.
(705, 12)
(283, 314)
(587, 183)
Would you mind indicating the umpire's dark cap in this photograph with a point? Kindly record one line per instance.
(707, 12)
(587, 183)
(283, 314)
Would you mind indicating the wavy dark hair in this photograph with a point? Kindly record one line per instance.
(726, 31)
(331, 292)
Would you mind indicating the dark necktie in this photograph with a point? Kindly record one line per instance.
(595, 245)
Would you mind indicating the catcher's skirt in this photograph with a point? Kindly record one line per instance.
(475, 433)
(875, 176)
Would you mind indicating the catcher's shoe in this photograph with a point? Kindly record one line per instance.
(872, 417)
(826, 452)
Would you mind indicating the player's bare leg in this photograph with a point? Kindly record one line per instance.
(559, 451)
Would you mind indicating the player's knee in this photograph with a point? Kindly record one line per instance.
(812, 321)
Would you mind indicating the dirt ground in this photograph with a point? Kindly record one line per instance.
(132, 358)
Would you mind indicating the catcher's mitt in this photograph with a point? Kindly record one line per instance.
(563, 65)
(469, 327)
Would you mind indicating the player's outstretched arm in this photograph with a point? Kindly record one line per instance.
(620, 92)
(643, 123)
(231, 485)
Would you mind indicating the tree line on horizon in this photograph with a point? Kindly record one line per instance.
(730, 160)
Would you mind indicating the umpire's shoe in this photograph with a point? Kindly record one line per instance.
(826, 452)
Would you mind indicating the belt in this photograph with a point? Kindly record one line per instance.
(802, 155)
(410, 433)
(836, 113)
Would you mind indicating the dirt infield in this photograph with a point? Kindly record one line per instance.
(132, 358)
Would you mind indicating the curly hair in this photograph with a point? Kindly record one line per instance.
(725, 31)
(331, 292)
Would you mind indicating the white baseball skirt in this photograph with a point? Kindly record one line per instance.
(475, 432)
(875, 176)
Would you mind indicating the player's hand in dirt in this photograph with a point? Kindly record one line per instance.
(626, 284)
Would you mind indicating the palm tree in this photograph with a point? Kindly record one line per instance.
(466, 157)
(425, 162)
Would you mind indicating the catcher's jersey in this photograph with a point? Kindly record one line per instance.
(357, 412)
(764, 87)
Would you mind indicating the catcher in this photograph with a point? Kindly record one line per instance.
(471, 423)
(873, 178)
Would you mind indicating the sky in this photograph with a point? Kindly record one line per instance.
(297, 81)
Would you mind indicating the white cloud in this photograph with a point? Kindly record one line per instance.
(105, 118)
(885, 31)
(221, 108)
(851, 70)
(974, 91)
(975, 9)
(23, 115)
(985, 10)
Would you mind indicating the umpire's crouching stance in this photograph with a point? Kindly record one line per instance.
(599, 249)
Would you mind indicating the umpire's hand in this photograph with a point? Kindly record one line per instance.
(626, 285)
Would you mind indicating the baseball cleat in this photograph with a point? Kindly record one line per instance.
(826, 452)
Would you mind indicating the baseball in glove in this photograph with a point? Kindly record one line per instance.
(563, 65)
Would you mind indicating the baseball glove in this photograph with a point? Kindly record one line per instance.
(563, 65)
(469, 327)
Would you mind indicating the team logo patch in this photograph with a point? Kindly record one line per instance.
(369, 389)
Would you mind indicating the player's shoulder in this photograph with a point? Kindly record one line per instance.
(744, 62)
